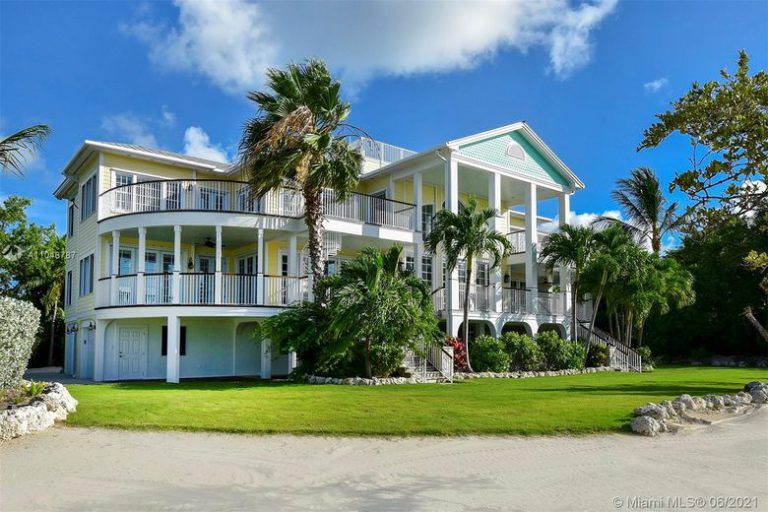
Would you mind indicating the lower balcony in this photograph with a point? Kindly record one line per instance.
(200, 289)
(513, 300)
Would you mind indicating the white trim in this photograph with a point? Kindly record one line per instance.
(487, 166)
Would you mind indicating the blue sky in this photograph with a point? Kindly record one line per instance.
(588, 77)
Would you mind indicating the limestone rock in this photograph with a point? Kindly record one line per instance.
(645, 425)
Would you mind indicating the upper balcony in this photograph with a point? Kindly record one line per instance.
(236, 197)
(379, 153)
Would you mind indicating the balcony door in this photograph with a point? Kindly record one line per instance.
(245, 279)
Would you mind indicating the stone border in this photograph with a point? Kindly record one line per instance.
(53, 404)
(665, 416)
(530, 375)
(389, 381)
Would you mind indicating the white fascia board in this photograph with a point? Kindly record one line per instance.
(404, 163)
(156, 157)
(183, 311)
(485, 166)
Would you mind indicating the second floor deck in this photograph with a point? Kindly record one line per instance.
(162, 196)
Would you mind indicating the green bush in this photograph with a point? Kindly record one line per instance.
(559, 354)
(19, 322)
(488, 354)
(524, 353)
(598, 356)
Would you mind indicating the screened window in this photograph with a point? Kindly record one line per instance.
(182, 341)
(86, 275)
(88, 192)
(68, 289)
(426, 269)
(71, 219)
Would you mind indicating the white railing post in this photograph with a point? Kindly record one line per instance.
(260, 268)
(217, 293)
(176, 281)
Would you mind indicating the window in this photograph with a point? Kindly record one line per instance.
(68, 289)
(482, 276)
(515, 150)
(427, 215)
(182, 341)
(125, 262)
(88, 192)
(86, 275)
(71, 219)
(410, 264)
(426, 269)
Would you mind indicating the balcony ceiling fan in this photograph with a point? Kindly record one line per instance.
(209, 242)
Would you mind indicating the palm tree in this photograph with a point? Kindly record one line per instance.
(604, 266)
(15, 148)
(373, 299)
(467, 235)
(572, 246)
(299, 136)
(649, 216)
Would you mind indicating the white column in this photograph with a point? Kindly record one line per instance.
(391, 188)
(452, 300)
(173, 361)
(418, 252)
(266, 359)
(531, 247)
(115, 266)
(494, 201)
(260, 268)
(176, 282)
(217, 275)
(418, 200)
(97, 273)
(98, 350)
(140, 282)
(565, 272)
(293, 283)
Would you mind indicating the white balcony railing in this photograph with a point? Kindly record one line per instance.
(516, 238)
(479, 297)
(235, 196)
(382, 152)
(197, 288)
(513, 300)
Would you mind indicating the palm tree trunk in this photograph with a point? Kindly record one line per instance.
(574, 295)
(313, 217)
(468, 280)
(628, 327)
(368, 368)
(595, 307)
(53, 333)
(749, 315)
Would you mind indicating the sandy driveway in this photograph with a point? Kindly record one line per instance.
(90, 469)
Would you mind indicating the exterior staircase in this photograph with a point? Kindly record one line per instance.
(433, 364)
(621, 356)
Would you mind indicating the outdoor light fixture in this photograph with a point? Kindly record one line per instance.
(91, 325)
(506, 278)
(190, 264)
(73, 328)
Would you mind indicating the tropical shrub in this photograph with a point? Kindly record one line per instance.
(559, 354)
(19, 322)
(489, 354)
(524, 353)
(599, 355)
(372, 314)
(459, 353)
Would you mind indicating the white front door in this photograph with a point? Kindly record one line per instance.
(132, 353)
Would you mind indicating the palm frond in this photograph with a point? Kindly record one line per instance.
(17, 147)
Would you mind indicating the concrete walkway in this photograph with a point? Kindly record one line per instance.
(74, 469)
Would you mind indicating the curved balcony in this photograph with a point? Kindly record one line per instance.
(236, 197)
(200, 289)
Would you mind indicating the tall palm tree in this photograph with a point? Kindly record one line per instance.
(467, 235)
(373, 299)
(574, 247)
(649, 215)
(15, 148)
(604, 266)
(299, 136)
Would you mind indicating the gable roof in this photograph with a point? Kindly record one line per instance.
(520, 127)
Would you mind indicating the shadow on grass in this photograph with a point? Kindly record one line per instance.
(661, 389)
(203, 385)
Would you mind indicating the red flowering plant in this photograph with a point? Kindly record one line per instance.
(459, 353)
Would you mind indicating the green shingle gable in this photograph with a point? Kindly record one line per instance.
(494, 151)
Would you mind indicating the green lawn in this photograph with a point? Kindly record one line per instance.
(550, 405)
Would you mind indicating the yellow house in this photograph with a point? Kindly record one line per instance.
(175, 262)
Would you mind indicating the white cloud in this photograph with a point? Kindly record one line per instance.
(655, 85)
(198, 143)
(233, 42)
(169, 118)
(129, 128)
(579, 219)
